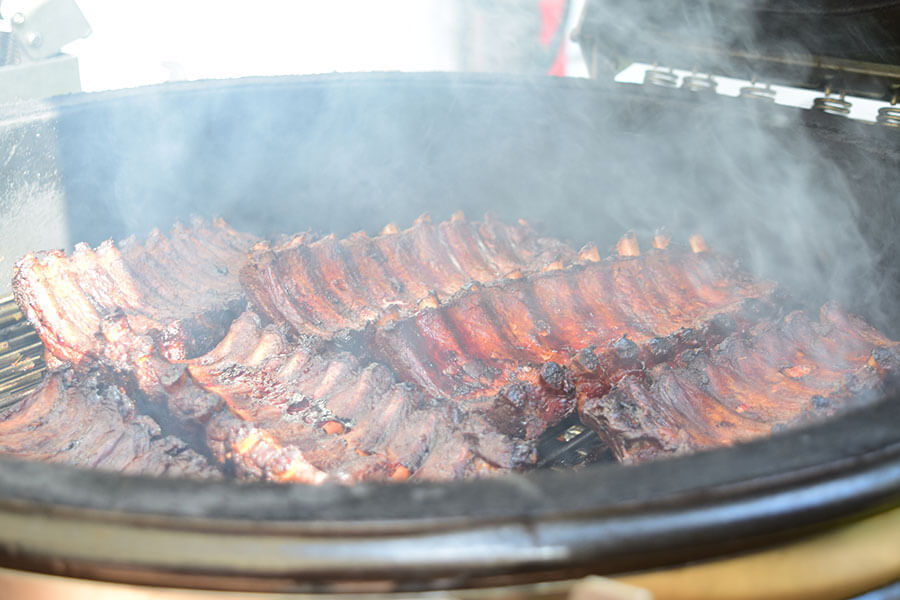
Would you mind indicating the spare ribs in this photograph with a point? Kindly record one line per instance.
(529, 342)
(175, 295)
(135, 308)
(779, 374)
(83, 421)
(304, 413)
(324, 286)
(436, 352)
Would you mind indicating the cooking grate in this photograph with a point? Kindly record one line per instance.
(21, 354)
(571, 445)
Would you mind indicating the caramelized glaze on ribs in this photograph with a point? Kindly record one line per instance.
(301, 413)
(176, 294)
(516, 340)
(326, 285)
(86, 423)
(436, 352)
(779, 374)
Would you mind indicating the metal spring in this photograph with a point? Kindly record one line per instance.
(889, 116)
(699, 83)
(831, 105)
(660, 77)
(758, 92)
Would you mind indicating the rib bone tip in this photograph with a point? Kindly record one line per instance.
(697, 243)
(661, 240)
(556, 265)
(333, 427)
(390, 229)
(458, 217)
(422, 219)
(401, 473)
(628, 245)
(589, 253)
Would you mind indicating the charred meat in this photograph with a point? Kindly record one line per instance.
(777, 374)
(437, 352)
(87, 422)
(304, 413)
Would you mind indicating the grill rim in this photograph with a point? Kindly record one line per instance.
(552, 536)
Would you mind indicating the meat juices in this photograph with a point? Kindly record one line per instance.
(436, 352)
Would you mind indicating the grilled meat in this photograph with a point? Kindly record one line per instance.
(301, 412)
(436, 352)
(135, 308)
(323, 286)
(173, 295)
(779, 374)
(529, 342)
(82, 421)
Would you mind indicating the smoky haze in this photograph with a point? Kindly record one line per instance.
(763, 182)
(758, 180)
(585, 160)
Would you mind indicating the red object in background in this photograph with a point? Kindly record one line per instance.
(552, 14)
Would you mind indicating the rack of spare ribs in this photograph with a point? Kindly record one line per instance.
(441, 351)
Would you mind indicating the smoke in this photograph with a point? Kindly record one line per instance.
(778, 187)
(586, 160)
(32, 199)
(781, 188)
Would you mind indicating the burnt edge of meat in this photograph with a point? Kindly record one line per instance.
(50, 424)
(312, 413)
(526, 410)
(473, 348)
(717, 395)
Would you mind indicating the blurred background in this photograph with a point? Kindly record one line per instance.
(132, 44)
(139, 43)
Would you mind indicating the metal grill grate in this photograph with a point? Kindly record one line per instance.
(571, 445)
(21, 354)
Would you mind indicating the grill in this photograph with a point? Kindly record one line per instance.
(105, 161)
(516, 530)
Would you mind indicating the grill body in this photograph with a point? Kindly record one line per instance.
(582, 160)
